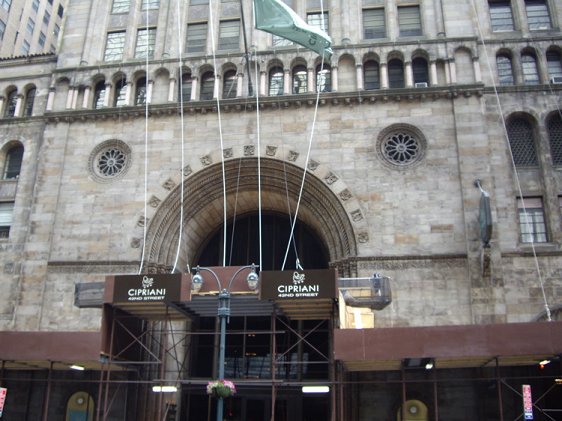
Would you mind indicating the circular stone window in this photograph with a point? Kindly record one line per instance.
(110, 160)
(401, 146)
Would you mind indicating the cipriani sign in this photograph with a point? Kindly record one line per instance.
(147, 288)
(298, 284)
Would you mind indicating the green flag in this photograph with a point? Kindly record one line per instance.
(277, 18)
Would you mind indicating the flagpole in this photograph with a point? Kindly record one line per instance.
(250, 85)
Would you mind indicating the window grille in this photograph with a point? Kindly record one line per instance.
(140, 93)
(395, 73)
(114, 46)
(324, 78)
(120, 93)
(146, 40)
(12, 166)
(374, 25)
(532, 226)
(409, 21)
(501, 16)
(276, 81)
(554, 128)
(538, 16)
(186, 86)
(196, 38)
(371, 75)
(6, 215)
(554, 64)
(401, 148)
(207, 86)
(29, 100)
(120, 6)
(278, 41)
(229, 84)
(11, 103)
(522, 142)
(318, 20)
(300, 80)
(505, 70)
(229, 35)
(99, 95)
(530, 70)
(150, 4)
(420, 70)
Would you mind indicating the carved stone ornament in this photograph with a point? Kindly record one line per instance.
(187, 171)
(345, 195)
(227, 153)
(363, 237)
(169, 184)
(249, 150)
(356, 215)
(206, 160)
(331, 178)
(142, 221)
(136, 243)
(154, 201)
(293, 156)
(271, 150)
(313, 165)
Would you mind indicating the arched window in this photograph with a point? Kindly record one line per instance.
(12, 164)
(554, 128)
(521, 137)
(229, 84)
(324, 78)
(120, 93)
(371, 75)
(207, 86)
(300, 80)
(505, 70)
(185, 88)
(140, 91)
(420, 71)
(554, 64)
(396, 73)
(11, 102)
(29, 100)
(276, 81)
(530, 69)
(99, 94)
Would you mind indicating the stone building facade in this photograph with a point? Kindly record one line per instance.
(116, 152)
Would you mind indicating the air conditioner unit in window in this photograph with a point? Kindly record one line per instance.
(420, 84)
(556, 80)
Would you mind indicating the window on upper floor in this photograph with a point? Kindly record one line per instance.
(196, 38)
(120, 98)
(371, 75)
(46, 18)
(395, 73)
(6, 4)
(29, 100)
(229, 84)
(186, 87)
(229, 35)
(318, 20)
(324, 78)
(120, 6)
(12, 164)
(140, 91)
(277, 41)
(554, 129)
(501, 16)
(521, 135)
(532, 225)
(2, 29)
(374, 25)
(25, 48)
(35, 5)
(150, 4)
(276, 81)
(409, 21)
(42, 39)
(11, 102)
(505, 70)
(554, 65)
(538, 16)
(60, 11)
(6, 215)
(30, 26)
(56, 30)
(100, 92)
(207, 86)
(197, 2)
(420, 71)
(530, 69)
(114, 46)
(300, 80)
(146, 41)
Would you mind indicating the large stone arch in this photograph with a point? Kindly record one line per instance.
(326, 206)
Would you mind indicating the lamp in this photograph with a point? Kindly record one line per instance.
(77, 367)
(253, 278)
(196, 280)
(315, 389)
(164, 389)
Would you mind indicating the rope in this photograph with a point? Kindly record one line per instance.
(506, 138)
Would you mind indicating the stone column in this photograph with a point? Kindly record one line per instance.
(50, 99)
(359, 75)
(409, 74)
(447, 73)
(334, 79)
(107, 94)
(384, 75)
(69, 97)
(171, 89)
(194, 88)
(2, 102)
(216, 87)
(311, 80)
(74, 104)
(287, 82)
(128, 93)
(19, 105)
(263, 83)
(239, 85)
(453, 70)
(149, 89)
(476, 66)
(433, 73)
(86, 99)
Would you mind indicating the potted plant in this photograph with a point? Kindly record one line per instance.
(221, 388)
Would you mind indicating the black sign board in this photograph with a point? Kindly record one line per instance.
(147, 288)
(298, 284)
